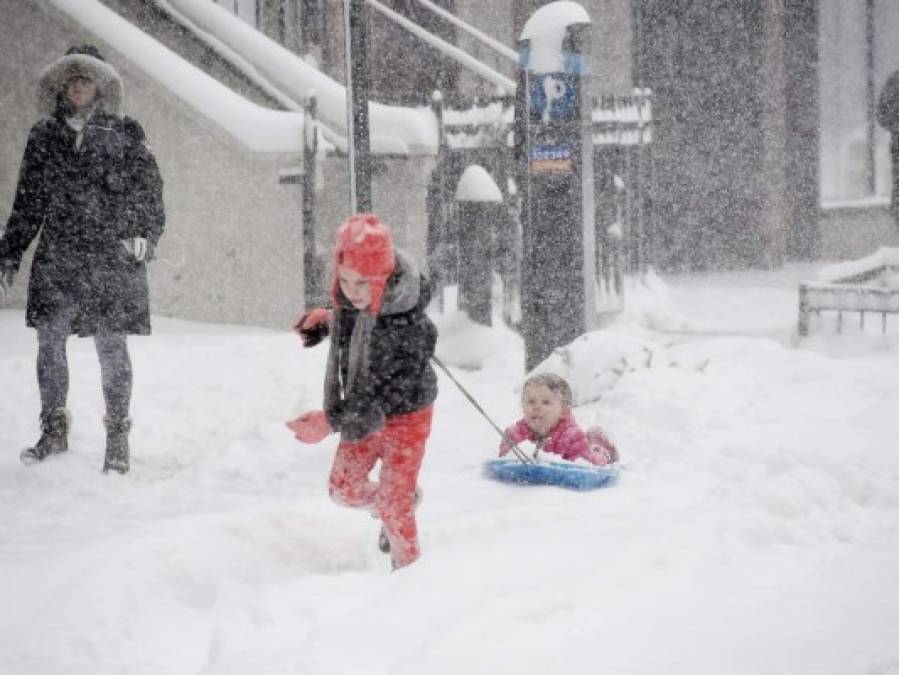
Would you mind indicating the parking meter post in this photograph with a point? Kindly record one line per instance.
(554, 149)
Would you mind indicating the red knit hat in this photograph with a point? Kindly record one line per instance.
(365, 246)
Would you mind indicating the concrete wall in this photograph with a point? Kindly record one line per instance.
(233, 246)
(399, 187)
(612, 58)
(849, 233)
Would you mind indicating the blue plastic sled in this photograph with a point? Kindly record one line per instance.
(562, 474)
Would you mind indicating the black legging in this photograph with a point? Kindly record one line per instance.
(53, 366)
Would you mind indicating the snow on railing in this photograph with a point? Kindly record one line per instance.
(483, 124)
(229, 55)
(394, 129)
(617, 120)
(623, 119)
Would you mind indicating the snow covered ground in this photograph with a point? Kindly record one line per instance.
(755, 527)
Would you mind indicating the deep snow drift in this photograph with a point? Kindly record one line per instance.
(754, 529)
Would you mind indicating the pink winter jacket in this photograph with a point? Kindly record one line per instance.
(566, 439)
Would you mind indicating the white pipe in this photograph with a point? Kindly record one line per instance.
(452, 51)
(502, 49)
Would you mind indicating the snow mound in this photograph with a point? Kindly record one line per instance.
(649, 305)
(469, 345)
(594, 362)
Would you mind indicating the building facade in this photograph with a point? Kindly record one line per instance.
(765, 148)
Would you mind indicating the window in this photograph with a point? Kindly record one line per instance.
(856, 54)
(245, 9)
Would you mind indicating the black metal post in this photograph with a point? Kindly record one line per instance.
(479, 212)
(357, 74)
(327, 48)
(803, 310)
(437, 206)
(311, 263)
(870, 95)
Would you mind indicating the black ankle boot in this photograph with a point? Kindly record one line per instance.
(55, 424)
(118, 454)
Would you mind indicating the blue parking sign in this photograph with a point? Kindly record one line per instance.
(552, 97)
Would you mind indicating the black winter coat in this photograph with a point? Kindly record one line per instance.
(888, 118)
(84, 202)
(399, 378)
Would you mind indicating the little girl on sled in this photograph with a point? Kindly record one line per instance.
(548, 422)
(379, 384)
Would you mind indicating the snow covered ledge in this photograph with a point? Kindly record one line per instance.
(394, 129)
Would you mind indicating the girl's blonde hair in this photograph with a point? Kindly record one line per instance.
(555, 383)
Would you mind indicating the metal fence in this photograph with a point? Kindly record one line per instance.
(480, 131)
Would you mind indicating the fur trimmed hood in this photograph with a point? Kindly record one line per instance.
(77, 62)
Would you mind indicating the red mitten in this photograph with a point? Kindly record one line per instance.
(310, 427)
(513, 436)
(600, 443)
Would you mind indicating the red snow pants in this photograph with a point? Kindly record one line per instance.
(400, 446)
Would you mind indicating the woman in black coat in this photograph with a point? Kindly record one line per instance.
(89, 189)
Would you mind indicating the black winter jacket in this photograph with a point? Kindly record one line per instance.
(83, 203)
(399, 378)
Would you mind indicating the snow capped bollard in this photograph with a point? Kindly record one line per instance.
(479, 212)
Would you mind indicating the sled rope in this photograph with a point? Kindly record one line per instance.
(519, 453)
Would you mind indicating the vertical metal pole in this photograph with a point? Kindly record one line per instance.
(304, 26)
(324, 33)
(870, 95)
(437, 216)
(311, 281)
(358, 146)
(282, 22)
(588, 203)
(350, 125)
(803, 310)
(641, 181)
